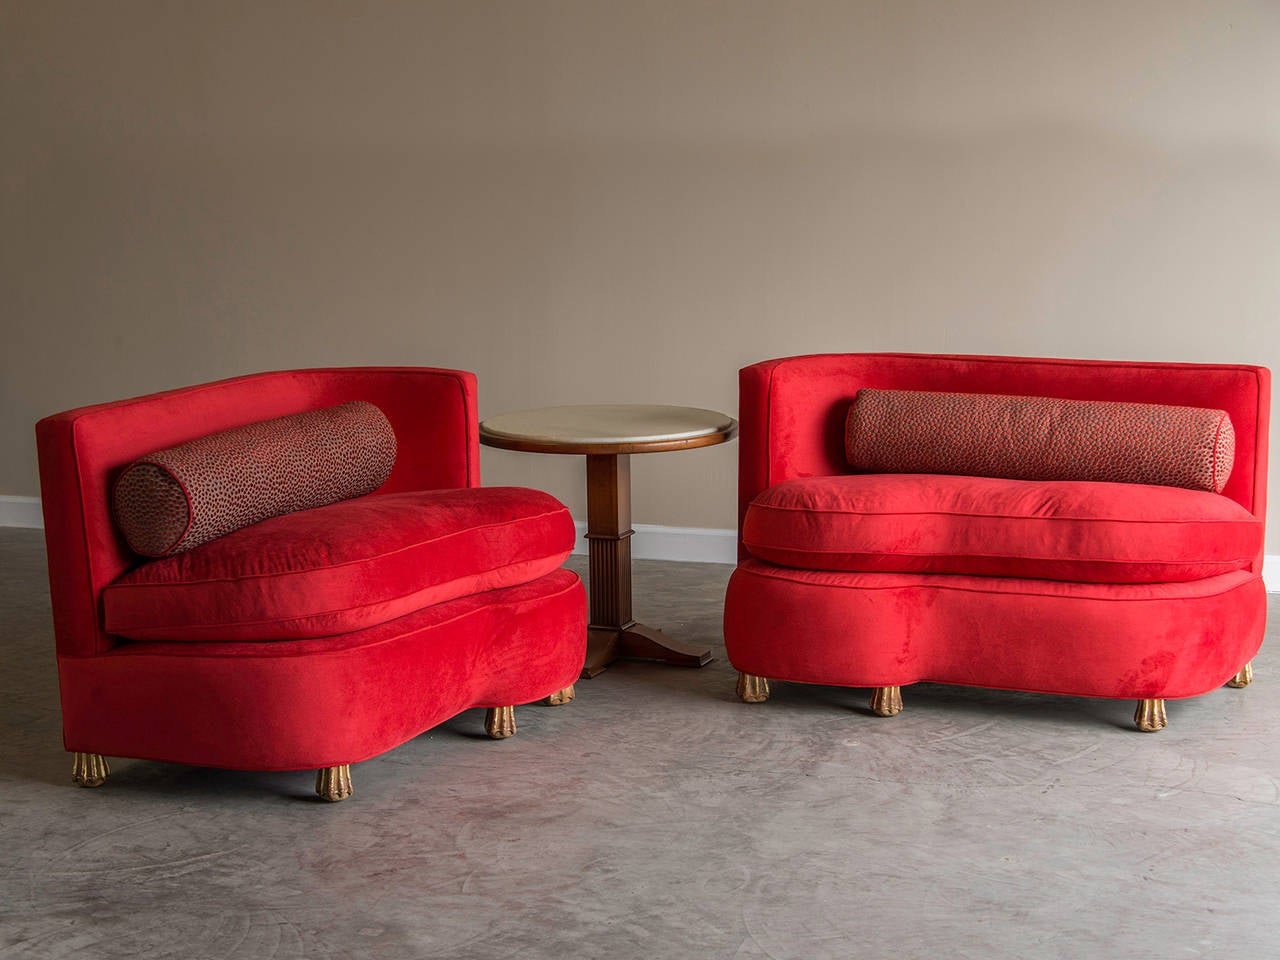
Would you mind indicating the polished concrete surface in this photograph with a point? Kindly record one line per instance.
(657, 817)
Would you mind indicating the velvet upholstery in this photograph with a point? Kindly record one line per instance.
(296, 704)
(344, 567)
(1140, 641)
(791, 411)
(309, 702)
(433, 413)
(1061, 530)
(910, 599)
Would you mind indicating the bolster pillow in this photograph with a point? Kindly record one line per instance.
(179, 498)
(1038, 438)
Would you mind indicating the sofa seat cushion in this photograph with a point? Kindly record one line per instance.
(1085, 531)
(343, 567)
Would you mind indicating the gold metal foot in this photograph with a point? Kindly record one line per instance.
(1243, 678)
(90, 769)
(500, 722)
(561, 697)
(334, 783)
(886, 701)
(1150, 716)
(752, 689)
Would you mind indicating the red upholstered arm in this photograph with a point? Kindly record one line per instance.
(433, 413)
(791, 411)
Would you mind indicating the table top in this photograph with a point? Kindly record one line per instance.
(607, 428)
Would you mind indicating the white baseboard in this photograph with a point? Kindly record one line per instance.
(693, 544)
(20, 512)
(651, 541)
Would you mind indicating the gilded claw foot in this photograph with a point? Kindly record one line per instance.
(886, 701)
(559, 697)
(1150, 716)
(90, 769)
(500, 722)
(334, 783)
(1243, 678)
(752, 689)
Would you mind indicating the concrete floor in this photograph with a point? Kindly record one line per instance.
(658, 817)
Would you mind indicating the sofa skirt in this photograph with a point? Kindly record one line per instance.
(321, 702)
(1137, 641)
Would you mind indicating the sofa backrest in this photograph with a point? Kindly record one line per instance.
(792, 410)
(433, 413)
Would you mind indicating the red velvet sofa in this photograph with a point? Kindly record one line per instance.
(891, 583)
(509, 629)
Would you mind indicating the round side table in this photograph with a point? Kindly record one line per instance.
(607, 435)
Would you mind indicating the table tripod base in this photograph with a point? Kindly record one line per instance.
(637, 642)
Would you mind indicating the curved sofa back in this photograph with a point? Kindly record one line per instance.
(433, 413)
(791, 411)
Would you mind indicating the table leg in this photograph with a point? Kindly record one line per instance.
(612, 633)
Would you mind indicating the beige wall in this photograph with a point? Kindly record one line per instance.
(624, 201)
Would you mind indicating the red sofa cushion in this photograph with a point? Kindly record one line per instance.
(1060, 530)
(343, 567)
(1039, 438)
(178, 498)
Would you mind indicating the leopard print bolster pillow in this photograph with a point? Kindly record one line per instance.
(179, 498)
(1039, 438)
